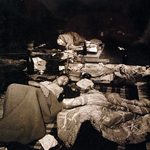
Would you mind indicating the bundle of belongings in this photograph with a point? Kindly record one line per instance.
(48, 60)
(73, 41)
(118, 119)
(109, 72)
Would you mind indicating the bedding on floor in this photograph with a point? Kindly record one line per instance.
(118, 119)
(51, 128)
(108, 127)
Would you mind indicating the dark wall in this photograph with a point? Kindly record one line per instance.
(41, 20)
(26, 20)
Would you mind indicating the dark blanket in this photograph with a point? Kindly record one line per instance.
(26, 110)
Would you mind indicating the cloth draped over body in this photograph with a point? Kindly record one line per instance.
(70, 39)
(73, 41)
(119, 120)
(26, 111)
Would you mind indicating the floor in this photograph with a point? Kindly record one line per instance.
(137, 55)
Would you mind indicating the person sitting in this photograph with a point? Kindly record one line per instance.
(27, 109)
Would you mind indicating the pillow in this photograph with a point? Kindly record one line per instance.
(85, 84)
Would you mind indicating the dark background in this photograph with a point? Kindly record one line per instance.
(123, 23)
(113, 21)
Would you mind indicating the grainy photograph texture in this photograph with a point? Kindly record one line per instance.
(74, 75)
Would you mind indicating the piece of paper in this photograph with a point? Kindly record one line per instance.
(48, 141)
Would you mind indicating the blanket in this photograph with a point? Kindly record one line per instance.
(70, 39)
(125, 72)
(26, 111)
(119, 120)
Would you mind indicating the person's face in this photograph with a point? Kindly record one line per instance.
(62, 80)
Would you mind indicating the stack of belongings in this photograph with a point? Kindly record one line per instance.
(94, 50)
(73, 41)
(74, 71)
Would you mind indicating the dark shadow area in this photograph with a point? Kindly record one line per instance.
(42, 20)
(23, 21)
(91, 139)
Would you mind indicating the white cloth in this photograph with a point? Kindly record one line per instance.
(39, 63)
(48, 141)
(85, 84)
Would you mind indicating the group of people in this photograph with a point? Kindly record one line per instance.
(28, 108)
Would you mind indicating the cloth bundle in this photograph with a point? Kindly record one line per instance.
(70, 39)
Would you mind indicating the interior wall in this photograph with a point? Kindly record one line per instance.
(41, 20)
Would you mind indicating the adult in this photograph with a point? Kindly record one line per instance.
(27, 109)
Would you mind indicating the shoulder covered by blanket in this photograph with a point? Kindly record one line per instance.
(120, 120)
(26, 111)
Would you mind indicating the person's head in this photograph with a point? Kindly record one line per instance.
(61, 40)
(62, 80)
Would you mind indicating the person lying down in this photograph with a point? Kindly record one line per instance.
(27, 108)
(117, 119)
